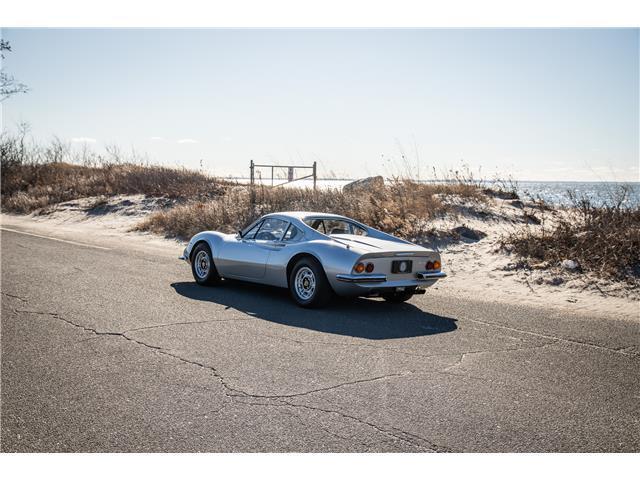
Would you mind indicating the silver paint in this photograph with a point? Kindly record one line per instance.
(267, 261)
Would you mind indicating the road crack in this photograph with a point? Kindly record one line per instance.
(390, 432)
(325, 389)
(359, 345)
(559, 339)
(162, 325)
(512, 349)
(14, 296)
(229, 390)
(237, 394)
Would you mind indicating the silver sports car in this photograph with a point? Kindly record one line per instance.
(315, 255)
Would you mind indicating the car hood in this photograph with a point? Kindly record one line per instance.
(376, 245)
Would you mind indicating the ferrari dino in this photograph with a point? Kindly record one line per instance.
(315, 255)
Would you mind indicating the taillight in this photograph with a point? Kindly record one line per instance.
(369, 267)
(435, 265)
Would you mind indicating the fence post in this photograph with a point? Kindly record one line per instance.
(252, 190)
(314, 176)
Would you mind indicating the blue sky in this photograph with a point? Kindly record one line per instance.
(534, 104)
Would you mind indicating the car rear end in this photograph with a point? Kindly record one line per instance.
(380, 273)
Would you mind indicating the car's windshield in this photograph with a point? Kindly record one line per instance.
(334, 226)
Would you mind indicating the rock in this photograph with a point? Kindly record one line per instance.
(555, 281)
(516, 203)
(369, 183)
(469, 233)
(502, 194)
(570, 265)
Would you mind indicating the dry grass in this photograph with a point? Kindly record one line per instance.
(32, 179)
(604, 240)
(36, 176)
(403, 208)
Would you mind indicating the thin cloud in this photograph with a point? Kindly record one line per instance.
(83, 140)
(187, 140)
(157, 139)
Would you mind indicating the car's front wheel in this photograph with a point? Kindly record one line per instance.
(308, 284)
(398, 297)
(202, 266)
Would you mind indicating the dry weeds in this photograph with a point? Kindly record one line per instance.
(402, 208)
(604, 240)
(34, 177)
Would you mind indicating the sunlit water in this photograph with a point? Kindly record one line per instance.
(556, 193)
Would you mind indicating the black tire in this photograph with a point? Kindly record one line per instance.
(312, 272)
(398, 297)
(202, 267)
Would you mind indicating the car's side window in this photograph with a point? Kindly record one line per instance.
(272, 229)
(356, 230)
(293, 234)
(333, 226)
(336, 227)
(252, 233)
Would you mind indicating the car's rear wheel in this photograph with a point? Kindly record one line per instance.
(399, 297)
(308, 284)
(202, 266)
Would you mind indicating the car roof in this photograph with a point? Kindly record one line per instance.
(305, 215)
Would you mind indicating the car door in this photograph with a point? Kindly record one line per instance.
(247, 257)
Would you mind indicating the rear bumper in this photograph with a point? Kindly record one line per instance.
(379, 278)
(367, 284)
(361, 278)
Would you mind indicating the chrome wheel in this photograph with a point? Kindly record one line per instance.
(305, 283)
(202, 264)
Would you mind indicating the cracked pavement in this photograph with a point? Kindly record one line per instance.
(118, 350)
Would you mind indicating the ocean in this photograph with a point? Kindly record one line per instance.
(555, 193)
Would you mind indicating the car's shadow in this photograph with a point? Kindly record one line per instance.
(364, 318)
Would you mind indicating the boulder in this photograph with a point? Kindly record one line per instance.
(570, 265)
(369, 183)
(469, 233)
(501, 194)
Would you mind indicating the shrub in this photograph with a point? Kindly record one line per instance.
(31, 180)
(602, 239)
(401, 208)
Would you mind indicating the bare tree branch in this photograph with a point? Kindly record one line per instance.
(8, 84)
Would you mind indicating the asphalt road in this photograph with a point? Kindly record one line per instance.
(119, 350)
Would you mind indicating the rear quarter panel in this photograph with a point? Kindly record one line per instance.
(334, 257)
